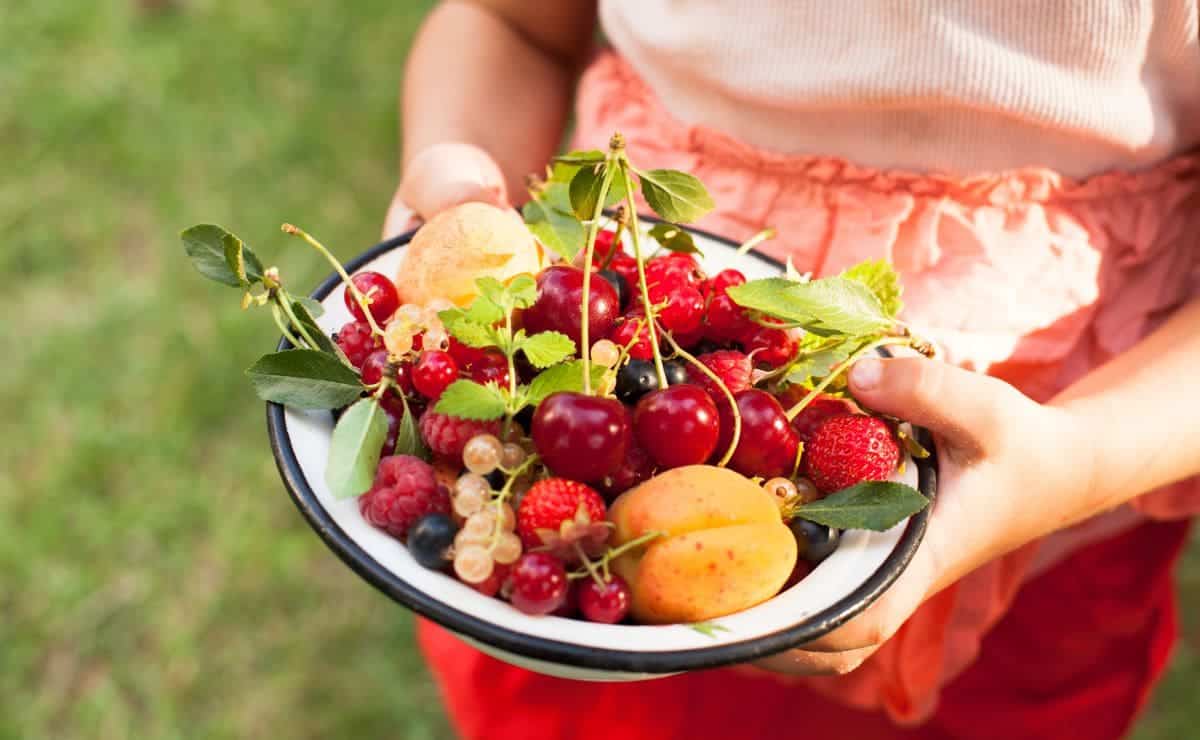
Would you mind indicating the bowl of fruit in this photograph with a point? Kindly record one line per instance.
(696, 488)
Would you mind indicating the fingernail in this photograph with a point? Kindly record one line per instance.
(865, 374)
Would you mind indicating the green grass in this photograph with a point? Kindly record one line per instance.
(157, 582)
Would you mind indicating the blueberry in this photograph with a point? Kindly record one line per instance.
(815, 541)
(429, 539)
(636, 379)
(614, 279)
(676, 372)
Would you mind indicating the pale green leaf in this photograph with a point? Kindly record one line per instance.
(567, 376)
(674, 238)
(881, 278)
(674, 195)
(467, 399)
(834, 305)
(547, 348)
(355, 448)
(873, 505)
(558, 231)
(461, 327)
(304, 379)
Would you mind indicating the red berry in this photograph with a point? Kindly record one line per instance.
(393, 407)
(771, 347)
(492, 366)
(465, 356)
(605, 241)
(768, 444)
(683, 310)
(538, 583)
(731, 366)
(580, 436)
(356, 342)
(637, 467)
(607, 602)
(849, 449)
(447, 435)
(626, 266)
(381, 295)
(724, 280)
(560, 513)
(434, 372)
(677, 425)
(559, 305)
(491, 586)
(373, 366)
(817, 411)
(674, 269)
(726, 319)
(627, 330)
(570, 605)
(405, 490)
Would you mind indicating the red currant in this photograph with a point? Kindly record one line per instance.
(607, 602)
(381, 295)
(559, 305)
(580, 437)
(767, 445)
(537, 583)
(434, 372)
(771, 347)
(492, 366)
(677, 426)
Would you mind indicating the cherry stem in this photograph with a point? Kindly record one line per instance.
(589, 250)
(794, 411)
(634, 233)
(754, 241)
(359, 298)
(737, 414)
(589, 565)
(277, 314)
(512, 366)
(617, 552)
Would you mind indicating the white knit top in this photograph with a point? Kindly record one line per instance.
(962, 86)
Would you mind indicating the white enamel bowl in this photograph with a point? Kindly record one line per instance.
(862, 567)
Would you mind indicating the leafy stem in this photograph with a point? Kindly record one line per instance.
(634, 234)
(359, 298)
(284, 300)
(606, 179)
(842, 367)
(277, 314)
(737, 414)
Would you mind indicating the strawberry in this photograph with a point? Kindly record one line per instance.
(558, 514)
(731, 366)
(849, 449)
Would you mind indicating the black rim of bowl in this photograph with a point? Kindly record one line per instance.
(555, 651)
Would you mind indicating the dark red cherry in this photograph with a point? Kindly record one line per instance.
(677, 426)
(580, 437)
(768, 443)
(559, 306)
(490, 367)
(381, 295)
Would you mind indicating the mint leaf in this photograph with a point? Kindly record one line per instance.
(354, 449)
(708, 629)
(873, 505)
(834, 305)
(464, 329)
(481, 311)
(581, 157)
(220, 256)
(304, 379)
(565, 377)
(547, 348)
(674, 195)
(522, 291)
(492, 290)
(305, 317)
(881, 278)
(408, 439)
(467, 399)
(674, 238)
(558, 231)
(314, 308)
(585, 191)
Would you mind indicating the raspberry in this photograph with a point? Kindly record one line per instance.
(628, 328)
(560, 513)
(817, 411)
(727, 320)
(731, 366)
(405, 490)
(849, 449)
(771, 347)
(448, 435)
(356, 342)
(724, 280)
(673, 270)
(684, 306)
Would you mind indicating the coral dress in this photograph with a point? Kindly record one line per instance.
(1030, 276)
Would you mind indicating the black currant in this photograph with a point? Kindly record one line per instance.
(815, 541)
(636, 379)
(614, 279)
(429, 539)
(676, 372)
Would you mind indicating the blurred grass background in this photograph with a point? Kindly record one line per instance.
(156, 580)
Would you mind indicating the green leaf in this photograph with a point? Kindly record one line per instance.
(548, 348)
(674, 238)
(585, 191)
(818, 364)
(314, 308)
(482, 311)
(522, 291)
(464, 329)
(581, 157)
(674, 195)
(324, 343)
(881, 278)
(834, 305)
(616, 191)
(558, 231)
(304, 379)
(565, 377)
(562, 173)
(708, 629)
(493, 290)
(220, 256)
(874, 505)
(408, 439)
(467, 399)
(354, 449)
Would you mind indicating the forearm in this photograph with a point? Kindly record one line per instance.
(1141, 412)
(480, 74)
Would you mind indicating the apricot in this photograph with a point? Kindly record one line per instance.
(460, 245)
(723, 547)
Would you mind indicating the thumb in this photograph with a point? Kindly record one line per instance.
(958, 405)
(444, 175)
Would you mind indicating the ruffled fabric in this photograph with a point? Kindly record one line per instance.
(1027, 275)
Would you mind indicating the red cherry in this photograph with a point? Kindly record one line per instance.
(605, 241)
(767, 446)
(677, 425)
(771, 347)
(607, 603)
(537, 583)
(434, 372)
(491, 367)
(726, 319)
(373, 367)
(634, 469)
(580, 437)
(570, 605)
(559, 304)
(381, 295)
(465, 356)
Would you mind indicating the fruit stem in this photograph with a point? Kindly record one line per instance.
(359, 298)
(589, 250)
(737, 414)
(617, 552)
(634, 232)
(754, 241)
(284, 300)
(277, 314)
(794, 411)
(587, 563)
(512, 366)
(503, 494)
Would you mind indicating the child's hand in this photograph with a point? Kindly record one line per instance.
(439, 177)
(1010, 471)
